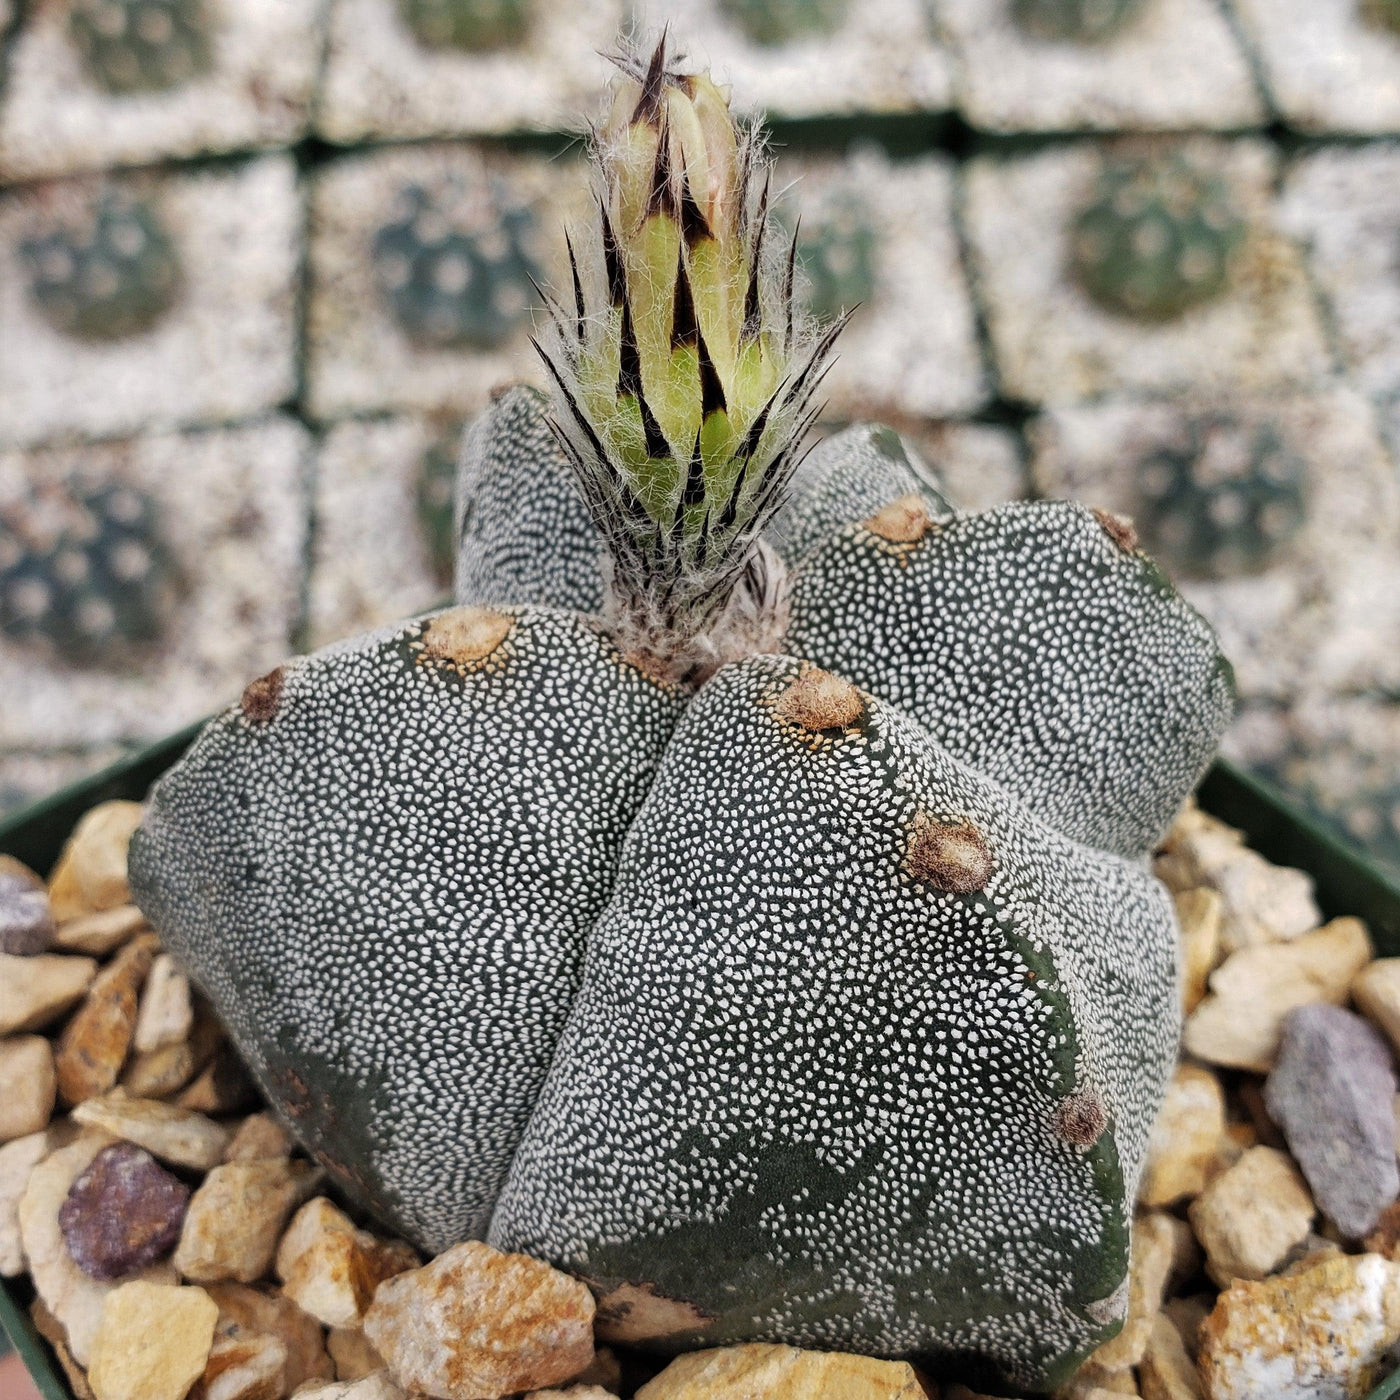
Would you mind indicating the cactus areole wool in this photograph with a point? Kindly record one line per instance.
(740, 898)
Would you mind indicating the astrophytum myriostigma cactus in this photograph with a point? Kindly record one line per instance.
(740, 898)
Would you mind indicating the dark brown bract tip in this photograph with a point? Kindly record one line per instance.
(261, 697)
(905, 521)
(950, 856)
(818, 700)
(1081, 1118)
(1119, 528)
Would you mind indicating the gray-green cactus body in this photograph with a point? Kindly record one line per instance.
(113, 273)
(865, 1056)
(523, 533)
(101, 584)
(1076, 21)
(837, 256)
(1226, 500)
(454, 288)
(773, 22)
(142, 45)
(474, 26)
(382, 866)
(1038, 645)
(1157, 237)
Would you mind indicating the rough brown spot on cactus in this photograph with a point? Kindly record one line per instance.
(1119, 528)
(819, 700)
(951, 856)
(466, 638)
(636, 1312)
(1081, 1118)
(261, 697)
(904, 521)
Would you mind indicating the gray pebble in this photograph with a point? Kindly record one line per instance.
(1331, 1092)
(26, 921)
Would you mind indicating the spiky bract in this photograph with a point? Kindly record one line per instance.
(109, 273)
(471, 25)
(1078, 21)
(1157, 237)
(1225, 500)
(683, 384)
(141, 45)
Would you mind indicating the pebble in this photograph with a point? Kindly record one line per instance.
(247, 1311)
(73, 1297)
(259, 1136)
(1383, 1239)
(1199, 913)
(1239, 1023)
(37, 990)
(91, 871)
(352, 1353)
(52, 1331)
(1376, 993)
(1249, 1217)
(223, 1086)
(101, 933)
(251, 1366)
(26, 921)
(122, 1213)
(380, 1386)
(1154, 1247)
(574, 1392)
(17, 1160)
(1331, 1093)
(153, 1343)
(28, 1086)
(173, 1134)
(477, 1322)
(94, 1044)
(236, 1218)
(1185, 1138)
(1317, 1335)
(331, 1269)
(1167, 1371)
(164, 1072)
(166, 1013)
(759, 1371)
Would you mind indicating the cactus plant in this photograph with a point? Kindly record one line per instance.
(92, 577)
(476, 26)
(836, 254)
(773, 22)
(1076, 21)
(109, 273)
(1223, 500)
(1157, 237)
(740, 897)
(141, 45)
(451, 287)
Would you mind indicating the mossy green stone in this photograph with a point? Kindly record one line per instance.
(134, 46)
(1156, 238)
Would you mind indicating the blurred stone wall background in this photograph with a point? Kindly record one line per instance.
(259, 258)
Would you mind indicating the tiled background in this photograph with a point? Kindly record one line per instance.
(290, 414)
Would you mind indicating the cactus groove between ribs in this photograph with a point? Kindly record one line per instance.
(820, 995)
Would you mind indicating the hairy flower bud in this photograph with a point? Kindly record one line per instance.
(683, 385)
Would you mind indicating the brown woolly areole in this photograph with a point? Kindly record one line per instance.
(819, 700)
(1081, 1118)
(466, 637)
(1119, 528)
(261, 697)
(905, 521)
(950, 856)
